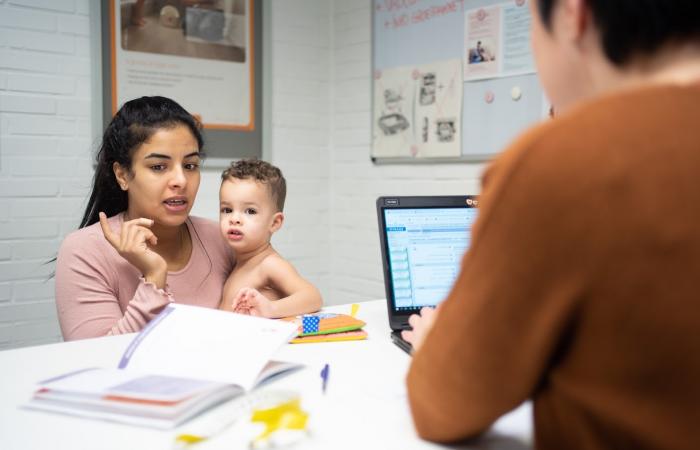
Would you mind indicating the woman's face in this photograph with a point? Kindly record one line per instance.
(164, 177)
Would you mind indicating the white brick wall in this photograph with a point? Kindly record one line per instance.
(44, 155)
(301, 80)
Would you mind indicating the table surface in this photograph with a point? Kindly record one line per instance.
(364, 405)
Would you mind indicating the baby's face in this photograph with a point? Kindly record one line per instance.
(247, 214)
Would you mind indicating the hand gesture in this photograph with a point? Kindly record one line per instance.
(132, 244)
(250, 301)
(420, 326)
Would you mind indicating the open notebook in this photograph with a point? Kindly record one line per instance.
(183, 362)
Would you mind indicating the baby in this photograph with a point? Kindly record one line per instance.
(262, 283)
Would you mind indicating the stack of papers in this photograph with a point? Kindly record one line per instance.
(131, 397)
(183, 362)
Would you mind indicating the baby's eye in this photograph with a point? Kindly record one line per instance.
(250, 211)
(158, 167)
(226, 210)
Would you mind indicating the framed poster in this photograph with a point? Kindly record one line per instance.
(204, 54)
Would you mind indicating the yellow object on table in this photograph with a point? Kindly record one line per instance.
(285, 416)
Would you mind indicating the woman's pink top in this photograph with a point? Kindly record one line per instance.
(99, 293)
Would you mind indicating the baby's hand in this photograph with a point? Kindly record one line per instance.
(250, 301)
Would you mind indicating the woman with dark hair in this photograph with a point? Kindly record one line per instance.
(137, 247)
(579, 290)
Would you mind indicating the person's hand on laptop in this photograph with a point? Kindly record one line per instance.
(420, 327)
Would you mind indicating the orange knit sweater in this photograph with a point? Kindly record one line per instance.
(581, 287)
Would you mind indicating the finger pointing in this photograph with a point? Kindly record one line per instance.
(107, 231)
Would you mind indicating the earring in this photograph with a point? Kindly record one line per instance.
(123, 186)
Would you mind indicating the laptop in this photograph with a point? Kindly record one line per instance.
(423, 240)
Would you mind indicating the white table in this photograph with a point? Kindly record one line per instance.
(364, 406)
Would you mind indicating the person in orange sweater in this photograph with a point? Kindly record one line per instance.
(579, 290)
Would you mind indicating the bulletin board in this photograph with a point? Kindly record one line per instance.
(453, 80)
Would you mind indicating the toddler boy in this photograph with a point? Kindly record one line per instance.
(262, 283)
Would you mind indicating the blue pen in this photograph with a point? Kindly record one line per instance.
(324, 377)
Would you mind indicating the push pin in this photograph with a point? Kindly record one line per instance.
(516, 93)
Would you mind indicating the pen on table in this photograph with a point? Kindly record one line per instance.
(324, 377)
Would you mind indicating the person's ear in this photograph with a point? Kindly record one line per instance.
(122, 176)
(581, 19)
(571, 20)
(277, 221)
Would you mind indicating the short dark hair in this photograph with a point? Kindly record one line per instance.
(636, 27)
(262, 172)
(135, 122)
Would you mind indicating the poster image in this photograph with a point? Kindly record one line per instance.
(482, 35)
(481, 51)
(200, 53)
(497, 41)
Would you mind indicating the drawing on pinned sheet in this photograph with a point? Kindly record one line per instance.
(408, 101)
(445, 130)
(427, 89)
(438, 109)
(391, 124)
(392, 121)
(392, 100)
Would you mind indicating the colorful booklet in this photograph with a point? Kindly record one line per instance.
(327, 327)
(356, 335)
(182, 363)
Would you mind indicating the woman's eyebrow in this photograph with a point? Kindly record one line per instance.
(157, 155)
(161, 156)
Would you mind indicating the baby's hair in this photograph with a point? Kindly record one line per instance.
(262, 172)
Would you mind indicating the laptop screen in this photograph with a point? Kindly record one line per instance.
(424, 248)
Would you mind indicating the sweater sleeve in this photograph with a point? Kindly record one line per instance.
(501, 324)
(87, 293)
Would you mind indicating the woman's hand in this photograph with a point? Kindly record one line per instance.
(420, 326)
(251, 301)
(132, 244)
